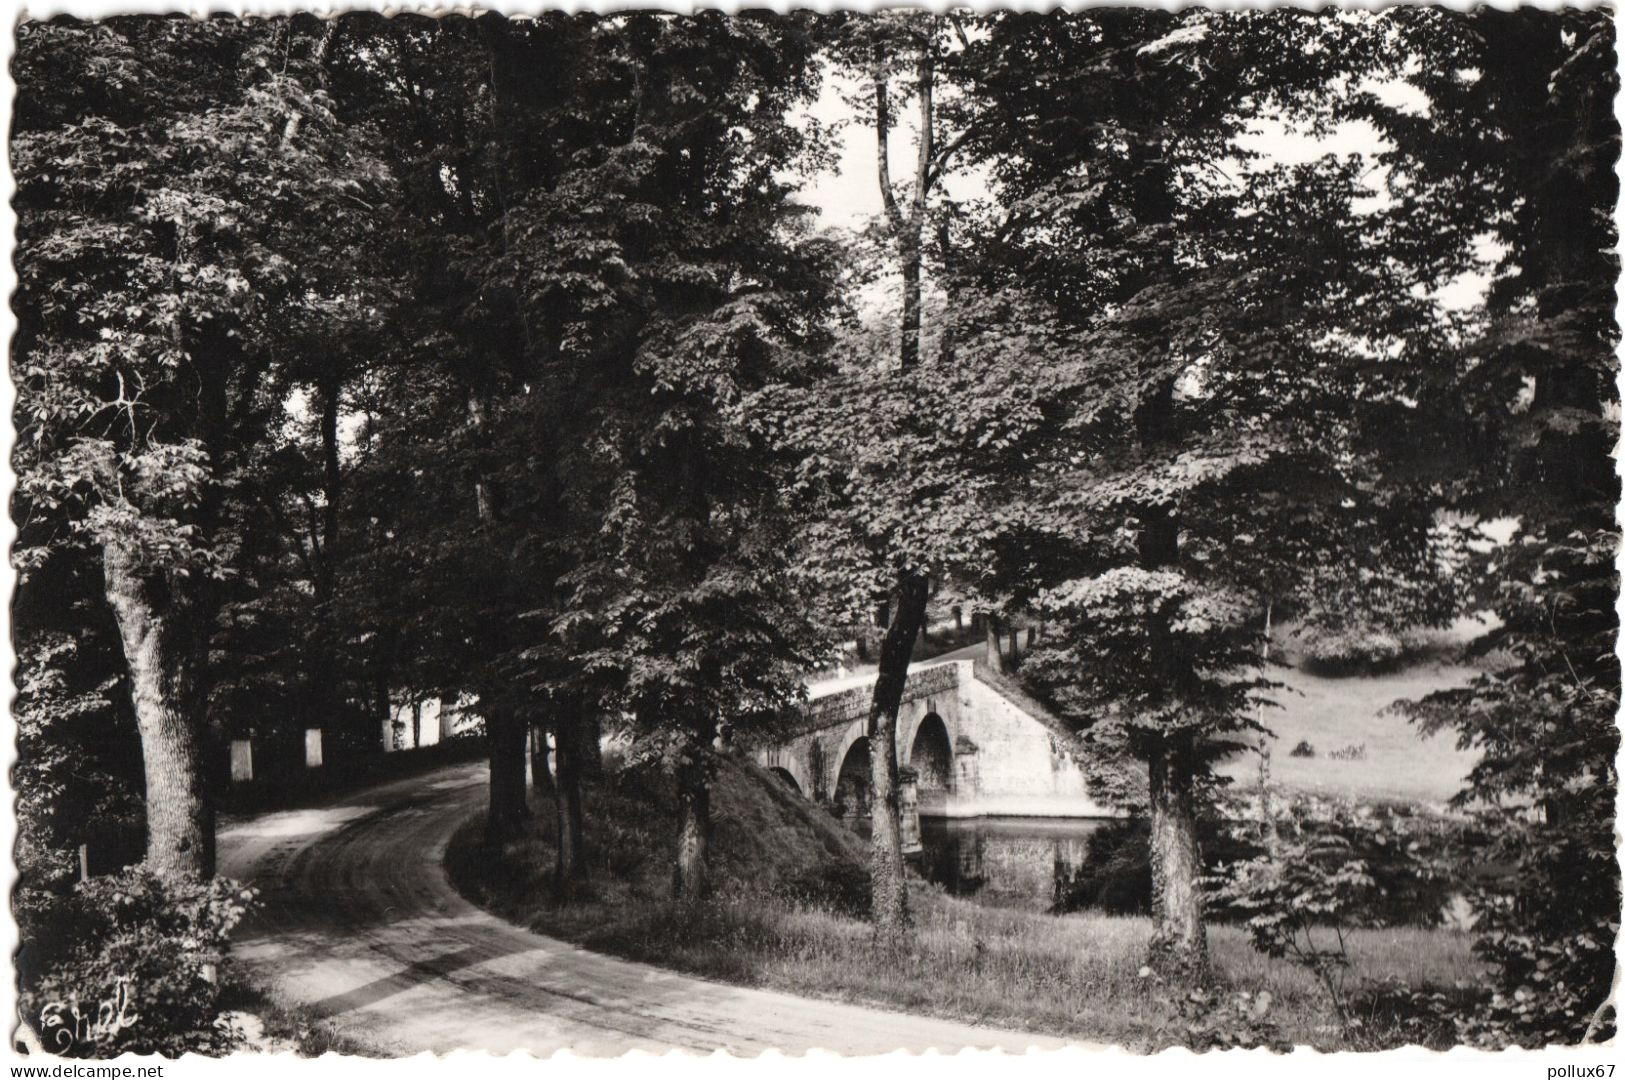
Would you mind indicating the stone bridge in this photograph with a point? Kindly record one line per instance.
(975, 745)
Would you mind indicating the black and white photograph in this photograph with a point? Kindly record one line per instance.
(874, 530)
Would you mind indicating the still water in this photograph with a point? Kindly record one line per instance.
(1006, 862)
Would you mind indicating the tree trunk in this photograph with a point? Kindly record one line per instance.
(504, 728)
(888, 885)
(165, 647)
(1014, 653)
(945, 324)
(332, 479)
(322, 650)
(417, 724)
(995, 660)
(569, 866)
(1266, 811)
(693, 822)
(590, 744)
(484, 504)
(1178, 940)
(505, 745)
(908, 263)
(540, 778)
(386, 711)
(905, 228)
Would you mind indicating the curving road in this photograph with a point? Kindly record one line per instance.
(360, 924)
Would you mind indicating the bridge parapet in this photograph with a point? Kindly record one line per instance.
(852, 703)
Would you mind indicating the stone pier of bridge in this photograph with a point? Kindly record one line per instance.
(975, 745)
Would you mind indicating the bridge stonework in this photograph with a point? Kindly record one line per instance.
(975, 749)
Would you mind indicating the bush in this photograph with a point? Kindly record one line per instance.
(1356, 648)
(1405, 1015)
(1212, 1018)
(139, 970)
(1308, 883)
(1304, 749)
(1331, 866)
(1417, 860)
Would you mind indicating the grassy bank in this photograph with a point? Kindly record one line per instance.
(787, 915)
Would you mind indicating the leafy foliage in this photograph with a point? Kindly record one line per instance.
(1203, 1019)
(158, 254)
(1534, 379)
(1325, 868)
(1302, 884)
(133, 965)
(65, 701)
(1354, 648)
(165, 168)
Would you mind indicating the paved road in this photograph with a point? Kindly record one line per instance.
(360, 923)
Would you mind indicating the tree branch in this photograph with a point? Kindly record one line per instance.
(940, 161)
(922, 167)
(883, 141)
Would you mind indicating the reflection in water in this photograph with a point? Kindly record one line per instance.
(1006, 862)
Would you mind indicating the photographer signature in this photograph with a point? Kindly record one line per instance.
(64, 1025)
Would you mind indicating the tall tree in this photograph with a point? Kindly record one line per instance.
(158, 203)
(1225, 416)
(707, 290)
(887, 52)
(1510, 172)
(460, 496)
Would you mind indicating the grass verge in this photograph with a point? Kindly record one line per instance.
(786, 915)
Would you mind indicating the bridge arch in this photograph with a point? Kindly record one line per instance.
(931, 753)
(785, 764)
(938, 716)
(852, 792)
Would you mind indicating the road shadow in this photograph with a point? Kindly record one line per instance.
(412, 975)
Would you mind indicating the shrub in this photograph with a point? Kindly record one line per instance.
(1432, 1018)
(1331, 866)
(1304, 749)
(1209, 1018)
(1355, 648)
(1415, 858)
(1351, 752)
(1307, 883)
(142, 970)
